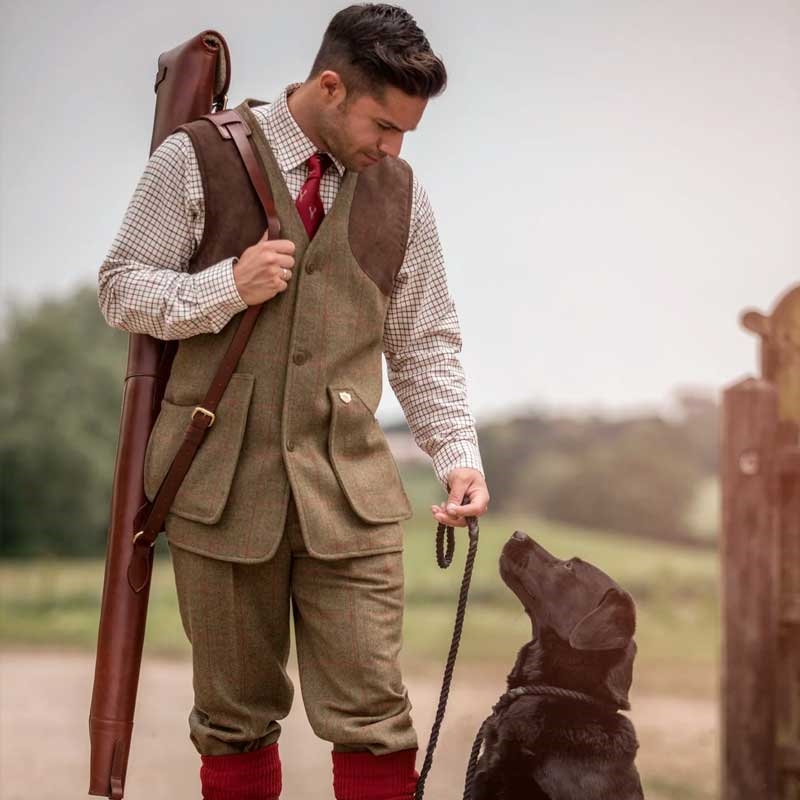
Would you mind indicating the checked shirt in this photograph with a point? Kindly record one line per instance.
(144, 286)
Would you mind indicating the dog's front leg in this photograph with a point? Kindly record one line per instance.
(513, 752)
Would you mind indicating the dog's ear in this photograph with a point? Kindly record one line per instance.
(619, 678)
(610, 626)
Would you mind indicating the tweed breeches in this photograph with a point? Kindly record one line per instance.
(348, 616)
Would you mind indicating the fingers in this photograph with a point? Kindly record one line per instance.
(264, 269)
(440, 515)
(283, 260)
(280, 260)
(468, 496)
(455, 515)
(476, 505)
(282, 246)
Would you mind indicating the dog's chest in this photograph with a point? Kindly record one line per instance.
(569, 757)
(566, 777)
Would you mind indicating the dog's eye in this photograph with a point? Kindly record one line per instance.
(568, 564)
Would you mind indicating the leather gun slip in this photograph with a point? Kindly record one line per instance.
(192, 80)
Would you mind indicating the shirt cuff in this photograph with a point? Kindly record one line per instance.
(461, 453)
(217, 294)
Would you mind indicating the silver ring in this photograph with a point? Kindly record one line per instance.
(286, 274)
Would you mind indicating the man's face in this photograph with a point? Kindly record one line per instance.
(362, 130)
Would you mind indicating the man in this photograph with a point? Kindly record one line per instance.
(294, 494)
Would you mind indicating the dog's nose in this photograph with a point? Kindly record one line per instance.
(521, 536)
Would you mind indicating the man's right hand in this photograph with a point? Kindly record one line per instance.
(264, 269)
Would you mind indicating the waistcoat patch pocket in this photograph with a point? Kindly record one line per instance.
(362, 460)
(204, 491)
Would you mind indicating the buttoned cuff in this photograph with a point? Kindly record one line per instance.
(450, 456)
(217, 294)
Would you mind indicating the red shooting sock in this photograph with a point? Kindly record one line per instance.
(364, 776)
(255, 775)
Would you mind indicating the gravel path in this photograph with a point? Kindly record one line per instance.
(44, 742)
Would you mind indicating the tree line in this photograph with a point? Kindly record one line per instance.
(61, 377)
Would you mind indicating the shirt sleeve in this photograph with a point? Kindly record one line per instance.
(421, 342)
(143, 283)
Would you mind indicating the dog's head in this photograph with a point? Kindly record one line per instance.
(583, 607)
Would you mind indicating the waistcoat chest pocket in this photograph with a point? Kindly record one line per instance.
(362, 460)
(204, 492)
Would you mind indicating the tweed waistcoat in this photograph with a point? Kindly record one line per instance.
(298, 414)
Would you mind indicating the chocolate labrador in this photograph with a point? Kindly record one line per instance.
(565, 740)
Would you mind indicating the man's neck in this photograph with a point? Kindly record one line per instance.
(300, 108)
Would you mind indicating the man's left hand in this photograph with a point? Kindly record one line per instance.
(467, 486)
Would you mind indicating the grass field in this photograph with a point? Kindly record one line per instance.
(56, 602)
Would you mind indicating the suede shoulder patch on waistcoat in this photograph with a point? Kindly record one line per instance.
(380, 219)
(234, 219)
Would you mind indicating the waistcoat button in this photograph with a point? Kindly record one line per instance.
(300, 357)
(310, 268)
(289, 445)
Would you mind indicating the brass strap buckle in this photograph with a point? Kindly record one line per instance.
(137, 535)
(205, 411)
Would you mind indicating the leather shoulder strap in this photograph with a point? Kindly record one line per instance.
(230, 126)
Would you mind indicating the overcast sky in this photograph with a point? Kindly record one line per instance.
(614, 181)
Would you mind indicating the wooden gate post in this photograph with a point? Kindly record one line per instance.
(750, 586)
(788, 722)
(780, 365)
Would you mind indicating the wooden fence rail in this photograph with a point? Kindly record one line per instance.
(760, 550)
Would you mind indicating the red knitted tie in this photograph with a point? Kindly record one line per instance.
(309, 204)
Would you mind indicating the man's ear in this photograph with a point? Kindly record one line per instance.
(609, 627)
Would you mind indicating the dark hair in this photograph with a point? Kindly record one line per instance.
(373, 45)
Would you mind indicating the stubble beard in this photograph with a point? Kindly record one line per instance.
(333, 132)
